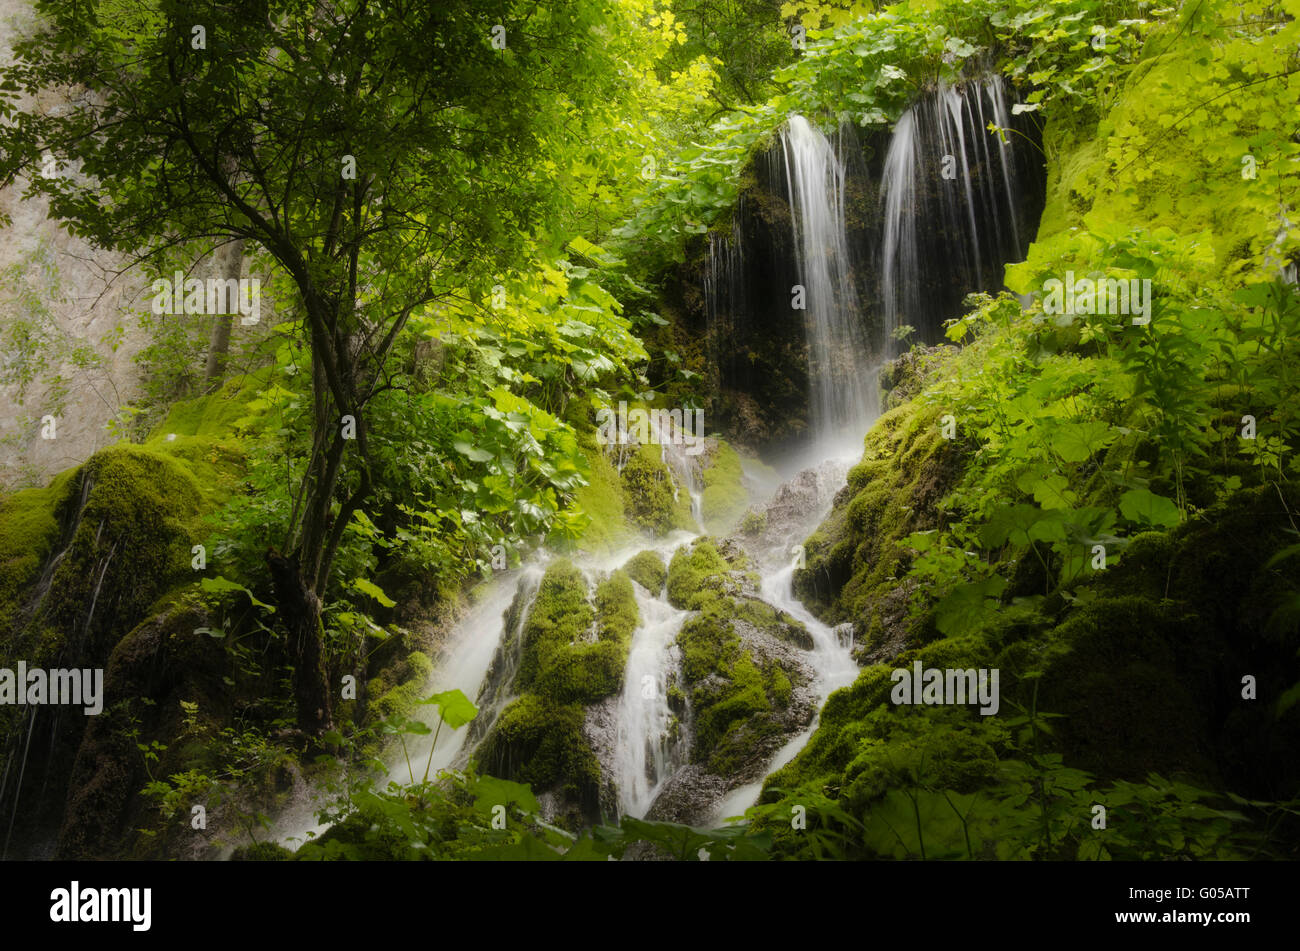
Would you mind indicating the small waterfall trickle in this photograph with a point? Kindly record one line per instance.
(726, 300)
(651, 743)
(843, 396)
(496, 677)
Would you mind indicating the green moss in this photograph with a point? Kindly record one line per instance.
(716, 710)
(29, 532)
(130, 544)
(770, 621)
(734, 702)
(696, 575)
(601, 500)
(399, 689)
(648, 570)
(648, 493)
(724, 498)
(779, 686)
(854, 560)
(616, 611)
(262, 852)
(708, 643)
(213, 417)
(572, 654)
(541, 742)
(1136, 668)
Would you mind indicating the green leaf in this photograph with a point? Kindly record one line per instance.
(455, 708)
(372, 589)
(475, 454)
(490, 791)
(1145, 507)
(221, 585)
(1075, 442)
(965, 608)
(1053, 493)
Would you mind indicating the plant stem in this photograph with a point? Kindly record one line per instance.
(431, 749)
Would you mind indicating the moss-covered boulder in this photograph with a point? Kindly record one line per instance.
(573, 651)
(82, 563)
(745, 683)
(647, 569)
(601, 500)
(651, 501)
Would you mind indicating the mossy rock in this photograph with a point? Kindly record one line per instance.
(573, 653)
(854, 560)
(696, 575)
(648, 494)
(648, 570)
(725, 498)
(737, 704)
(397, 690)
(617, 615)
(763, 617)
(29, 532)
(213, 416)
(124, 548)
(601, 500)
(1142, 666)
(262, 852)
(541, 742)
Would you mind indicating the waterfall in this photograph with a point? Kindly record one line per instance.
(842, 385)
(949, 205)
(948, 211)
(889, 229)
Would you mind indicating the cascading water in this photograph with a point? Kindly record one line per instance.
(465, 663)
(949, 204)
(939, 238)
(650, 746)
(840, 377)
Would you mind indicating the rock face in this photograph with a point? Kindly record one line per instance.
(854, 558)
(81, 564)
(68, 294)
(781, 523)
(77, 322)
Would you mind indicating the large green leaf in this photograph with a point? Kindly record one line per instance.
(1075, 442)
(455, 708)
(221, 585)
(1147, 508)
(490, 791)
(372, 589)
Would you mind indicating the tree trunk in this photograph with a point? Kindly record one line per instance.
(300, 614)
(229, 266)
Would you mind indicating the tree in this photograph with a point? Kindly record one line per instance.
(229, 265)
(386, 153)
